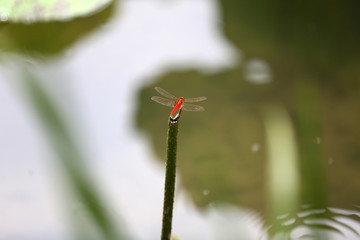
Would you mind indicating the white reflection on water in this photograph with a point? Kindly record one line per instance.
(3, 17)
(255, 147)
(257, 71)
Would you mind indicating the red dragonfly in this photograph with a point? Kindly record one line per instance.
(177, 103)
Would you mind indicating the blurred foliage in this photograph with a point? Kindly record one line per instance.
(313, 53)
(70, 157)
(319, 34)
(30, 11)
(25, 32)
(49, 38)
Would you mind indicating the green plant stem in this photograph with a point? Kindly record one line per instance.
(169, 180)
(70, 156)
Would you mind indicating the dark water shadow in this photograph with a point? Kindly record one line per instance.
(314, 64)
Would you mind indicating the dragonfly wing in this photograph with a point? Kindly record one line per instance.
(165, 93)
(163, 101)
(193, 108)
(195, 99)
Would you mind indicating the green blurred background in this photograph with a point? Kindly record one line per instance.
(279, 137)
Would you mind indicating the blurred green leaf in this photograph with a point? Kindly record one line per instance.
(49, 38)
(321, 34)
(70, 157)
(29, 11)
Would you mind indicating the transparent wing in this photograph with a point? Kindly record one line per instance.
(195, 99)
(165, 93)
(163, 101)
(193, 108)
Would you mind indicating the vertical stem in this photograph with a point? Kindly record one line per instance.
(169, 180)
(282, 168)
(309, 127)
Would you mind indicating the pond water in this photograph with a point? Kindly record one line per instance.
(274, 156)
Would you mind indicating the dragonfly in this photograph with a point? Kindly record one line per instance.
(178, 103)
